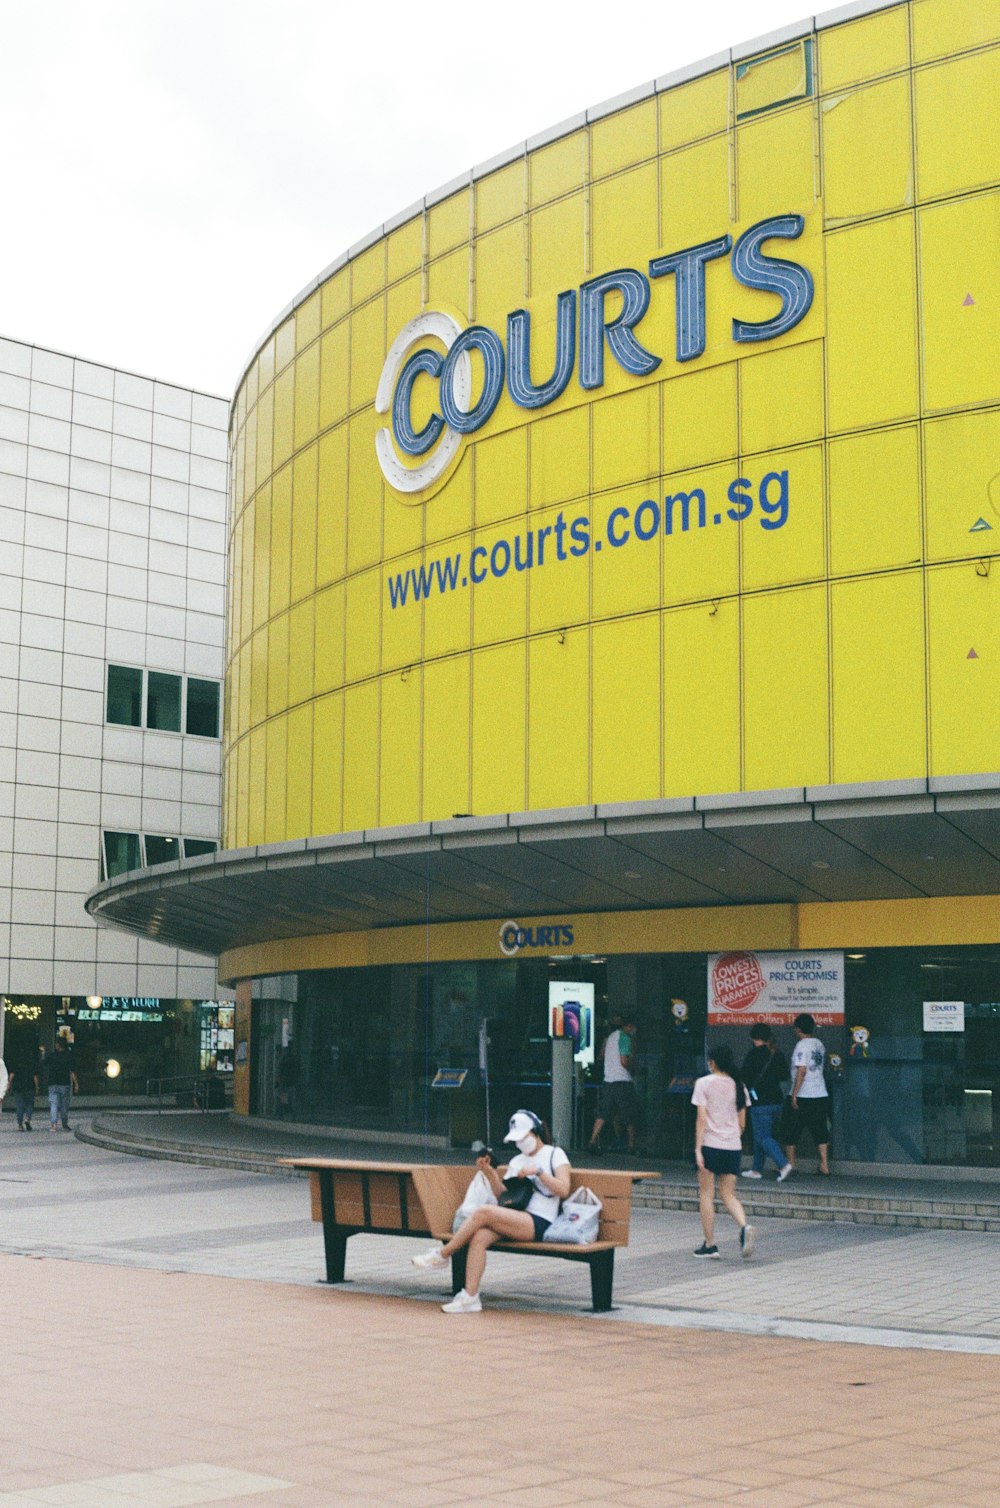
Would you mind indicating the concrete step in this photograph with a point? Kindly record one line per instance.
(789, 1202)
(114, 1139)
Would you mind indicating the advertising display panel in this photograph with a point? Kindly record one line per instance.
(571, 1014)
(775, 988)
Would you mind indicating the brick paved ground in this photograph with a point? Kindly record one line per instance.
(140, 1375)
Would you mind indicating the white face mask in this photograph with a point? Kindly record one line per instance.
(526, 1143)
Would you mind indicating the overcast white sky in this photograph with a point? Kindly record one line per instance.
(176, 170)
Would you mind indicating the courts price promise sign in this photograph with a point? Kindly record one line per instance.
(775, 987)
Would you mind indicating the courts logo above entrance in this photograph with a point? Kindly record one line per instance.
(516, 939)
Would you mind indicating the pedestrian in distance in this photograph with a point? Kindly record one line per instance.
(62, 1085)
(765, 1070)
(24, 1079)
(810, 1101)
(721, 1102)
(547, 1166)
(617, 1099)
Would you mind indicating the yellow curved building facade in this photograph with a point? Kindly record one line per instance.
(790, 572)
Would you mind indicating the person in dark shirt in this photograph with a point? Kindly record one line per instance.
(765, 1070)
(23, 1067)
(62, 1085)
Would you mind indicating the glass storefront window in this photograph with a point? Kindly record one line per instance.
(121, 853)
(195, 846)
(163, 701)
(161, 850)
(125, 696)
(202, 708)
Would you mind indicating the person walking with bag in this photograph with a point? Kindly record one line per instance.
(765, 1070)
(543, 1173)
(718, 1141)
(810, 1099)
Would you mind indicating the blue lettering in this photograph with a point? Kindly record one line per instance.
(487, 342)
(793, 284)
(594, 327)
(613, 538)
(685, 499)
(478, 553)
(579, 533)
(414, 442)
(650, 530)
(742, 501)
(780, 504)
(525, 393)
(688, 268)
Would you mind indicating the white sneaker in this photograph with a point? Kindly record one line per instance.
(786, 1172)
(430, 1259)
(751, 1173)
(463, 1303)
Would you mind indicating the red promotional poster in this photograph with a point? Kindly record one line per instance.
(736, 984)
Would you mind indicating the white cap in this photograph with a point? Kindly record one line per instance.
(523, 1123)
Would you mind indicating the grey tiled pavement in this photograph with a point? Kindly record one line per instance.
(64, 1199)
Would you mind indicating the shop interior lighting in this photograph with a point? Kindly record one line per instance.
(95, 1002)
(112, 1068)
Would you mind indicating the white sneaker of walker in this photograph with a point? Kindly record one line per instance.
(463, 1303)
(428, 1259)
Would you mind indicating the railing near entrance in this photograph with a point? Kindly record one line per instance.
(198, 1091)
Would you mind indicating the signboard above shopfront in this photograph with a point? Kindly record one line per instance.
(775, 987)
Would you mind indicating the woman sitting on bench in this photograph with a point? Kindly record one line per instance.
(537, 1159)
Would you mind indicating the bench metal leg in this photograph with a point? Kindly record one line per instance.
(458, 1269)
(334, 1235)
(602, 1278)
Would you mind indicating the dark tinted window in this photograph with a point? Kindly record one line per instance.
(125, 695)
(195, 846)
(163, 702)
(161, 850)
(202, 708)
(121, 853)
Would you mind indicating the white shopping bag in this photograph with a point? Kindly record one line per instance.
(579, 1220)
(477, 1194)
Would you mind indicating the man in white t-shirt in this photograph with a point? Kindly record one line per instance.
(617, 1102)
(810, 1101)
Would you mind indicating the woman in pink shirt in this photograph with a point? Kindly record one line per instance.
(718, 1143)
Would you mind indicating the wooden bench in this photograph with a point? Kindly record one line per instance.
(420, 1199)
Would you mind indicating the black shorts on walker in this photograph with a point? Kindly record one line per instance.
(721, 1160)
(541, 1226)
(812, 1116)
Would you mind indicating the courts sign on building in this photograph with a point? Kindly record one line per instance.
(775, 987)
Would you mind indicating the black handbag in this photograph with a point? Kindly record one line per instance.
(517, 1193)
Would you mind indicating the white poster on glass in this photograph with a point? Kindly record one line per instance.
(775, 987)
(944, 1015)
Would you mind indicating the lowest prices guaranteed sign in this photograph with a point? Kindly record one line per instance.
(775, 987)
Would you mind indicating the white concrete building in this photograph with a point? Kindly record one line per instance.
(112, 599)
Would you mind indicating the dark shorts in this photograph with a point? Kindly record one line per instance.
(617, 1099)
(812, 1116)
(541, 1226)
(721, 1160)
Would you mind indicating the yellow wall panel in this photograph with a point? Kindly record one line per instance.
(327, 765)
(959, 307)
(785, 699)
(257, 525)
(361, 764)
(953, 101)
(695, 194)
(781, 397)
(448, 618)
(245, 687)
(335, 296)
(874, 501)
(498, 722)
(558, 246)
(284, 344)
(277, 665)
(448, 281)
(448, 223)
(361, 623)
(399, 749)
(863, 49)
(284, 415)
(941, 27)
(329, 632)
(871, 324)
(264, 418)
(446, 737)
(624, 223)
(367, 351)
(368, 273)
(501, 274)
(625, 579)
(701, 699)
(626, 437)
(702, 560)
(279, 584)
(499, 604)
(276, 793)
(619, 140)
(558, 169)
(333, 374)
(558, 719)
(867, 150)
(773, 78)
(501, 476)
(699, 417)
(560, 457)
(301, 651)
(501, 196)
(331, 513)
(405, 248)
(694, 110)
(877, 653)
(307, 321)
(963, 612)
(558, 590)
(795, 551)
(962, 481)
(251, 474)
(776, 164)
(300, 757)
(402, 625)
(265, 365)
(625, 658)
(452, 510)
(304, 523)
(403, 301)
(365, 491)
(241, 836)
(257, 786)
(306, 395)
